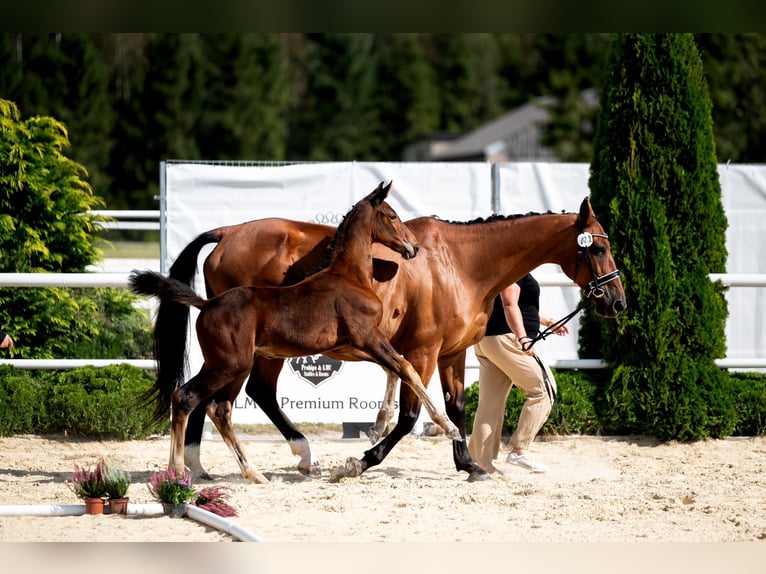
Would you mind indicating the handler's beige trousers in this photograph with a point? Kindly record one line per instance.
(503, 364)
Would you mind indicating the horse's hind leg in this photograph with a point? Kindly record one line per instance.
(386, 412)
(220, 414)
(262, 388)
(192, 442)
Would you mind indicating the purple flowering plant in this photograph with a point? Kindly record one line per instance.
(215, 499)
(88, 482)
(170, 487)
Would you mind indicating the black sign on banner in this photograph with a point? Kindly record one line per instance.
(315, 369)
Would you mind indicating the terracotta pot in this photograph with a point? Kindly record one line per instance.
(94, 506)
(118, 505)
(174, 510)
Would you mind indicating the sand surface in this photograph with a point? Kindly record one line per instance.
(596, 490)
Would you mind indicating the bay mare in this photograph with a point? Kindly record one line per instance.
(435, 306)
(333, 308)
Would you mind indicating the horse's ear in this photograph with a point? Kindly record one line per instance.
(379, 195)
(586, 211)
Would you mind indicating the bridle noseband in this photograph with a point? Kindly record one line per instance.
(593, 288)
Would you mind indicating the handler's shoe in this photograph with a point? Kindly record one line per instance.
(526, 461)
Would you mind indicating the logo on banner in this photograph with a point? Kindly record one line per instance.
(315, 369)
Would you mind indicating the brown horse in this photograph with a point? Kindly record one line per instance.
(435, 306)
(333, 308)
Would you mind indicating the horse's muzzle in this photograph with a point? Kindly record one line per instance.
(410, 250)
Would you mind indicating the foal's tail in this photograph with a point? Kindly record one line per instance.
(170, 329)
(155, 284)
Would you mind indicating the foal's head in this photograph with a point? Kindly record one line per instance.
(385, 225)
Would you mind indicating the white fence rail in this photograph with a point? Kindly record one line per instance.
(31, 280)
(148, 219)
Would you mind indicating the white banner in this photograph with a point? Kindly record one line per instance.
(203, 196)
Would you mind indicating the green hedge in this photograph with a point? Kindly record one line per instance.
(102, 402)
(580, 407)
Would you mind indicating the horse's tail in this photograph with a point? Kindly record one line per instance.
(170, 330)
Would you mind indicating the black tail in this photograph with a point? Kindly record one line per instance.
(170, 330)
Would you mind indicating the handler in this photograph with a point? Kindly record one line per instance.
(506, 358)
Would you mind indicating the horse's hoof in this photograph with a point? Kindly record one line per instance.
(312, 471)
(477, 476)
(255, 477)
(456, 436)
(373, 435)
(201, 474)
(351, 469)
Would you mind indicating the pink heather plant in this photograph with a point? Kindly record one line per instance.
(168, 487)
(215, 499)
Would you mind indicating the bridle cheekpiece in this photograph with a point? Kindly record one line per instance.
(594, 287)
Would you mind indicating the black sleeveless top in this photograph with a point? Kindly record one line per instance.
(529, 304)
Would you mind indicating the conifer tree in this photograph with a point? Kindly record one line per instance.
(654, 184)
(406, 96)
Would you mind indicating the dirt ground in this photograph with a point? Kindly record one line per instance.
(597, 490)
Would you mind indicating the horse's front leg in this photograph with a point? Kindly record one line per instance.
(220, 414)
(262, 388)
(386, 412)
(451, 376)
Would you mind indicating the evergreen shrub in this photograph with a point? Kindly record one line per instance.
(749, 392)
(102, 402)
(22, 402)
(574, 411)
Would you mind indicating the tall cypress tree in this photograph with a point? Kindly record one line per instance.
(655, 186)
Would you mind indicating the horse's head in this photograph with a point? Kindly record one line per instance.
(594, 269)
(387, 228)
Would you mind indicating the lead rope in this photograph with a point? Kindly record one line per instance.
(552, 328)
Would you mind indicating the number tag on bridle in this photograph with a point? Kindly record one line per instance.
(585, 239)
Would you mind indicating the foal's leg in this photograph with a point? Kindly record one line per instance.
(385, 355)
(193, 439)
(220, 414)
(183, 401)
(410, 376)
(262, 388)
(386, 412)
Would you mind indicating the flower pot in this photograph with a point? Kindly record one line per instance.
(118, 505)
(94, 506)
(174, 510)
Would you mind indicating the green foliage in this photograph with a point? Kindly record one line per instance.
(581, 408)
(99, 401)
(44, 198)
(574, 411)
(99, 323)
(408, 100)
(23, 404)
(654, 184)
(749, 390)
(298, 96)
(116, 480)
(168, 487)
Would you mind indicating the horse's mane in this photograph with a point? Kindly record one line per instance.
(497, 217)
(341, 230)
